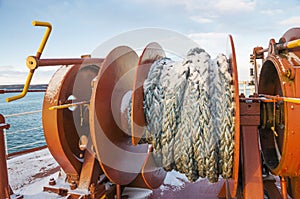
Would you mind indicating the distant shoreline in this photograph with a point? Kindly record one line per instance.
(20, 86)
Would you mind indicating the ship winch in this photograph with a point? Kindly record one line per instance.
(126, 120)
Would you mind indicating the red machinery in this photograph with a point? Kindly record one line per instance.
(279, 129)
(93, 139)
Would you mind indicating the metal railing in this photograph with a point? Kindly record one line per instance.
(26, 146)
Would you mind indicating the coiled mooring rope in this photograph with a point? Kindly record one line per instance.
(189, 112)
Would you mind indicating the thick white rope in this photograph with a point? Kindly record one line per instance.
(227, 121)
(154, 97)
(190, 115)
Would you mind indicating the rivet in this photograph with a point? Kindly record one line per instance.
(292, 107)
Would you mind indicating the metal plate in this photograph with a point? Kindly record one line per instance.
(153, 176)
(233, 182)
(82, 91)
(151, 53)
(60, 128)
(119, 159)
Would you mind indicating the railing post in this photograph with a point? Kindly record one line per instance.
(4, 186)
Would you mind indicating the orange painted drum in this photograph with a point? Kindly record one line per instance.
(119, 159)
(233, 182)
(62, 128)
(280, 75)
(151, 53)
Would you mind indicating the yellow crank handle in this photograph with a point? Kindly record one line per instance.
(46, 35)
(25, 89)
(63, 106)
(293, 100)
(293, 44)
(32, 67)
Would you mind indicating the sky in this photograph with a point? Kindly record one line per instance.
(79, 26)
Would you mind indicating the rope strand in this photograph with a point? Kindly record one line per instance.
(190, 115)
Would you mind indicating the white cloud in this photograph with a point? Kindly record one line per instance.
(212, 42)
(201, 19)
(271, 12)
(234, 5)
(291, 21)
(208, 6)
(11, 75)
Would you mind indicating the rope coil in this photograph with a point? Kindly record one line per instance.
(189, 113)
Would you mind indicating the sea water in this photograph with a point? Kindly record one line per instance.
(25, 119)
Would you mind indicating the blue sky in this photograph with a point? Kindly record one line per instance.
(80, 26)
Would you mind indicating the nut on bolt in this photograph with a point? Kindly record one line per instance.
(52, 182)
(92, 188)
(31, 62)
(73, 185)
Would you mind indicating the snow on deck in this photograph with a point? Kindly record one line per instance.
(29, 173)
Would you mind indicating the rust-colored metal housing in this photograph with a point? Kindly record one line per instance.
(279, 132)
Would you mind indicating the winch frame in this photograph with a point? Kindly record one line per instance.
(267, 120)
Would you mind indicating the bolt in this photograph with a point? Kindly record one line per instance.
(73, 185)
(52, 182)
(292, 107)
(288, 73)
(92, 188)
